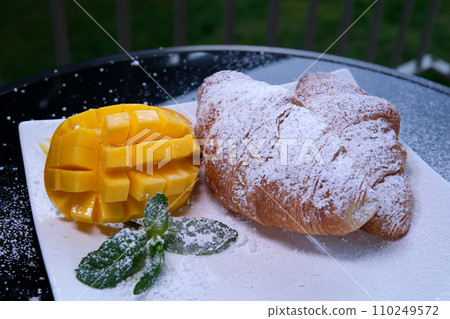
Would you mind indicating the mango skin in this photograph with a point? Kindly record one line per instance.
(104, 164)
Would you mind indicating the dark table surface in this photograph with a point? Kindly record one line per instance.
(424, 107)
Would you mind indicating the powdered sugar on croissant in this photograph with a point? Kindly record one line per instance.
(368, 127)
(255, 161)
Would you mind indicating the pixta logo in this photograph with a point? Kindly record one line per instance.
(145, 150)
(289, 151)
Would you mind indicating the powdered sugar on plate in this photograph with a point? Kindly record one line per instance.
(264, 263)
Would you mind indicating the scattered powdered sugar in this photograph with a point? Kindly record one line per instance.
(17, 253)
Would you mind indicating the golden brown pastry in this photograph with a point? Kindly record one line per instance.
(274, 161)
(368, 127)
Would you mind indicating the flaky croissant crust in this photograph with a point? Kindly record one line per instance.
(359, 184)
(368, 127)
(313, 197)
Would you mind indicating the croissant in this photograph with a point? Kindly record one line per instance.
(368, 127)
(268, 157)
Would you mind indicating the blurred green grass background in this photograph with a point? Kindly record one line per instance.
(27, 39)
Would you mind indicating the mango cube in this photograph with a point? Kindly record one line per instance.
(143, 121)
(53, 179)
(176, 178)
(85, 207)
(116, 157)
(78, 157)
(81, 137)
(60, 199)
(115, 128)
(171, 125)
(110, 212)
(144, 186)
(78, 181)
(86, 119)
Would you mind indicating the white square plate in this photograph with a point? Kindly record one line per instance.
(265, 263)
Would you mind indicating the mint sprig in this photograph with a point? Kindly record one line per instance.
(156, 215)
(197, 236)
(153, 265)
(129, 250)
(116, 259)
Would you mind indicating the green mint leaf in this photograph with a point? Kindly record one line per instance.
(116, 259)
(154, 264)
(156, 216)
(197, 236)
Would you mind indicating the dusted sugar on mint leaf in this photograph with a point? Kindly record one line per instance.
(197, 236)
(153, 267)
(116, 259)
(156, 216)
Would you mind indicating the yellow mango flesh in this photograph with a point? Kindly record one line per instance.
(104, 164)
